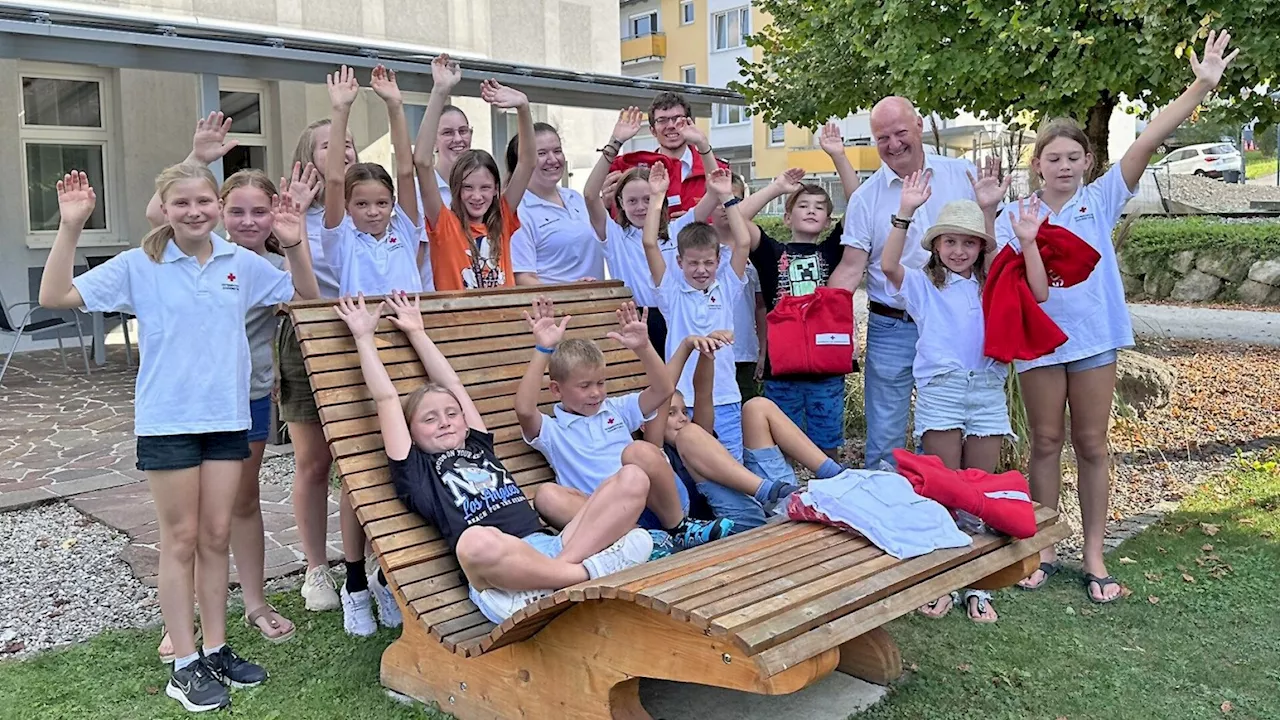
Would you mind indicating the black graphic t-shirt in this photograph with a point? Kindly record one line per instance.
(795, 268)
(456, 489)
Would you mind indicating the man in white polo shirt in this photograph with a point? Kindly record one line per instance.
(891, 334)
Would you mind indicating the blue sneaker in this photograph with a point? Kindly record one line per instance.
(663, 544)
(692, 533)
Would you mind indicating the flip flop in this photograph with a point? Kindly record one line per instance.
(1049, 570)
(983, 598)
(168, 658)
(267, 612)
(1103, 582)
(951, 601)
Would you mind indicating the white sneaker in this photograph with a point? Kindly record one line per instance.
(357, 613)
(629, 550)
(388, 610)
(505, 603)
(320, 591)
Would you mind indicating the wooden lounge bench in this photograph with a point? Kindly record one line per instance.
(768, 611)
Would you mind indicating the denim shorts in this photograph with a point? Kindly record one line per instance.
(179, 452)
(815, 406)
(728, 426)
(547, 544)
(1102, 359)
(972, 401)
(260, 413)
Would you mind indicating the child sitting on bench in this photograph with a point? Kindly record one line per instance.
(444, 468)
(587, 437)
(742, 492)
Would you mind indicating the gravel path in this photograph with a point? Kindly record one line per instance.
(63, 581)
(1214, 195)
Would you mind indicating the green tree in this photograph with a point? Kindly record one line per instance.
(824, 58)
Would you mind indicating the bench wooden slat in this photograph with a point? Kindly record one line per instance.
(514, 300)
(455, 326)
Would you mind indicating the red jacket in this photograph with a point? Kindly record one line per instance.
(1002, 501)
(813, 334)
(685, 192)
(1016, 327)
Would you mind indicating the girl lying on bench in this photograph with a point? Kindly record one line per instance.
(444, 468)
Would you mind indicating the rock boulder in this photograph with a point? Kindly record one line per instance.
(1143, 382)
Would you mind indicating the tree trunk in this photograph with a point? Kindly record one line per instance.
(1097, 127)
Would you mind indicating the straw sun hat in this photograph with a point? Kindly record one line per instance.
(959, 217)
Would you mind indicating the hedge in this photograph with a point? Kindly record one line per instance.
(1258, 237)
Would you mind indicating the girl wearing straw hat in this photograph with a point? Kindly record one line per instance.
(961, 413)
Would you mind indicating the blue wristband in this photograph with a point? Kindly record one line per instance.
(541, 349)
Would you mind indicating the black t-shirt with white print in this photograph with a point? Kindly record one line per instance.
(457, 489)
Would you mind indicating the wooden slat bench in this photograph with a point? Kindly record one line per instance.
(768, 611)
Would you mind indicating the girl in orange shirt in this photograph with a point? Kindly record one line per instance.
(470, 238)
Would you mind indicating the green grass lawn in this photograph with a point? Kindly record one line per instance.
(1199, 630)
(1256, 165)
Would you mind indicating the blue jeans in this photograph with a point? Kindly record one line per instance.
(891, 349)
(815, 406)
(728, 425)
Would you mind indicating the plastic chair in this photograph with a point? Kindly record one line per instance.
(94, 262)
(26, 327)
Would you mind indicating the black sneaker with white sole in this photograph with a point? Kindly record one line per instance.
(234, 670)
(197, 689)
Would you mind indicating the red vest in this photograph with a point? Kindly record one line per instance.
(685, 192)
(813, 334)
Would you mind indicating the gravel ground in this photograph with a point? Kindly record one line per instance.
(64, 582)
(1214, 195)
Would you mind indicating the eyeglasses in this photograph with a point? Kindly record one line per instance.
(669, 120)
(460, 132)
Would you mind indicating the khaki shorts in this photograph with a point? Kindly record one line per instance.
(297, 403)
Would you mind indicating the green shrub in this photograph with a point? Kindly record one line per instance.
(773, 227)
(1166, 236)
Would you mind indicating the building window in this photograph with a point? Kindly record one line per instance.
(62, 128)
(729, 114)
(646, 24)
(730, 28)
(777, 135)
(689, 74)
(244, 104)
(686, 12)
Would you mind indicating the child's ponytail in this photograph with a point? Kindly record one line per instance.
(158, 239)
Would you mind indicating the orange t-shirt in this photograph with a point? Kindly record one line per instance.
(451, 261)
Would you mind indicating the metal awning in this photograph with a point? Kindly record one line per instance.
(53, 31)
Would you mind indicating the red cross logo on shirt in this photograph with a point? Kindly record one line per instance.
(713, 298)
(610, 421)
(231, 277)
(392, 241)
(1082, 209)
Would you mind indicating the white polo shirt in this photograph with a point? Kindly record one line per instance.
(746, 344)
(585, 451)
(624, 251)
(690, 311)
(1093, 314)
(558, 243)
(951, 325)
(325, 275)
(194, 373)
(375, 266)
(866, 221)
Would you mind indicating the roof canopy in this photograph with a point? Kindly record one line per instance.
(61, 32)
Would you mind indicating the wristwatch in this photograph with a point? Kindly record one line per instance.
(900, 222)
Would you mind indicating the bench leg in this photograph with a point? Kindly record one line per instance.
(1010, 575)
(872, 656)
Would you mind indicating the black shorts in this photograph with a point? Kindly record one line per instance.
(179, 452)
(658, 331)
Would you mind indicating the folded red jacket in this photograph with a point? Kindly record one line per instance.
(685, 192)
(1016, 327)
(813, 333)
(1001, 501)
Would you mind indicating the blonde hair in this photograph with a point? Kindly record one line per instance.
(414, 399)
(254, 178)
(305, 152)
(571, 355)
(158, 239)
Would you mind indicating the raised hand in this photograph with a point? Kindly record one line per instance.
(288, 224)
(542, 323)
(359, 320)
(691, 133)
(988, 188)
(445, 73)
(408, 316)
(721, 182)
(832, 140)
(915, 192)
(610, 186)
(302, 186)
(628, 124)
(343, 88)
(76, 199)
(633, 330)
(704, 345)
(384, 84)
(658, 180)
(1026, 221)
(723, 336)
(1210, 69)
(209, 143)
(788, 181)
(501, 96)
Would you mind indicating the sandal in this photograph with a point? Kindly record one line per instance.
(1049, 570)
(169, 657)
(950, 600)
(984, 598)
(269, 614)
(1103, 582)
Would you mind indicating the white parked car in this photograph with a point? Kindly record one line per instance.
(1208, 159)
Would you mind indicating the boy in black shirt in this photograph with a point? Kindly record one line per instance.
(444, 468)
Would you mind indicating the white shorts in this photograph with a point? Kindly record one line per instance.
(972, 401)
